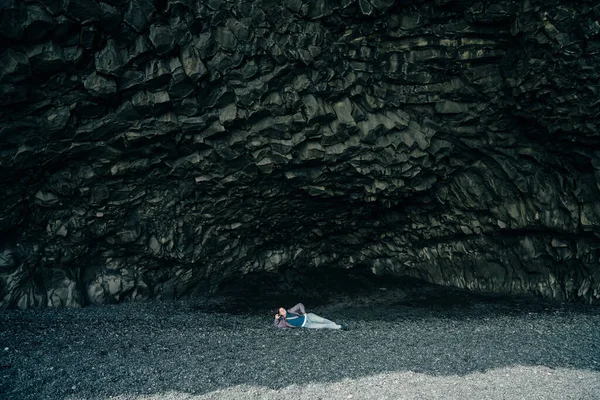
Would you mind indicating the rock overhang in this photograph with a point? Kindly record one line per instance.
(152, 149)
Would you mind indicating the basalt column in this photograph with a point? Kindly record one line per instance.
(150, 149)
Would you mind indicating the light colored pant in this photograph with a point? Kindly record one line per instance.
(313, 321)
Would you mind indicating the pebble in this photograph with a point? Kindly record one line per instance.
(394, 349)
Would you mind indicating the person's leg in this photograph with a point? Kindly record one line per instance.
(313, 321)
(318, 320)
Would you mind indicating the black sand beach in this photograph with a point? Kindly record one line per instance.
(412, 341)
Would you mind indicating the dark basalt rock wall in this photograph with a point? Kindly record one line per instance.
(150, 149)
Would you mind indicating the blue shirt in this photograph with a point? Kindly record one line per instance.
(295, 319)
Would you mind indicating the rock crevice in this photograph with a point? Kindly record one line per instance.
(150, 149)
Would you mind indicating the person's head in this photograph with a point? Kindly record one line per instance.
(281, 311)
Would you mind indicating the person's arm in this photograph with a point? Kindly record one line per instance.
(279, 321)
(298, 307)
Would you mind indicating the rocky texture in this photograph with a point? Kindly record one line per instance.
(149, 149)
(406, 342)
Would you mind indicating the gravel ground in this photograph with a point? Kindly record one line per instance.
(417, 342)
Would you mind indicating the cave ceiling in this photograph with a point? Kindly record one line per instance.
(151, 149)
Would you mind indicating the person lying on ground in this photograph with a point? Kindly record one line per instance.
(296, 317)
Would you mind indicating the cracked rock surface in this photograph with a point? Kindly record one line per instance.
(151, 149)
